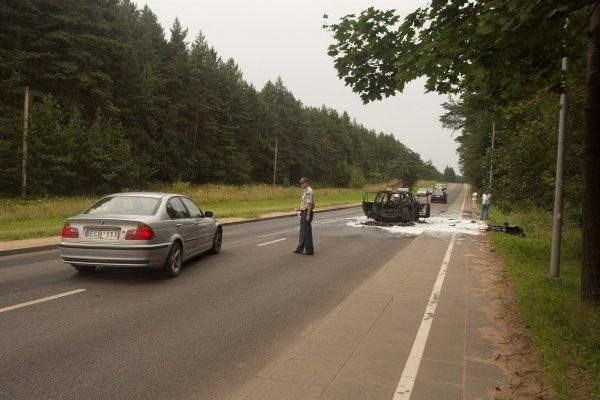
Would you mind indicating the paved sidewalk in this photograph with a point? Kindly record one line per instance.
(360, 349)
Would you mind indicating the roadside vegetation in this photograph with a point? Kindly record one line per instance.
(566, 330)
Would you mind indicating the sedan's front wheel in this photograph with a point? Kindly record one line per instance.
(174, 260)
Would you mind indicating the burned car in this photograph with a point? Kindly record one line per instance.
(395, 207)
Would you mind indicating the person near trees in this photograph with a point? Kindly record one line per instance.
(485, 205)
(305, 212)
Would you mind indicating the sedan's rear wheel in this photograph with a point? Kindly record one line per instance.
(84, 269)
(174, 260)
(217, 241)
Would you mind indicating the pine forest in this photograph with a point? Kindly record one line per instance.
(115, 104)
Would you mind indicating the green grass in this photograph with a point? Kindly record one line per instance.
(43, 217)
(35, 228)
(566, 331)
(249, 208)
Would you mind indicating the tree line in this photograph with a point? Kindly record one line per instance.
(115, 104)
(500, 63)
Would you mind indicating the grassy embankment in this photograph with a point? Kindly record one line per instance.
(32, 218)
(566, 331)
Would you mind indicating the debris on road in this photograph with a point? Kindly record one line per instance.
(506, 228)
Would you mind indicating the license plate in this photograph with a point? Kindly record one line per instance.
(91, 233)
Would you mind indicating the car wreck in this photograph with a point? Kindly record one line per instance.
(395, 207)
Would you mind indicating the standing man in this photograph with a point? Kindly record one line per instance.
(485, 205)
(307, 204)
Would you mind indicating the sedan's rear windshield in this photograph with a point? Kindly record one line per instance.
(125, 205)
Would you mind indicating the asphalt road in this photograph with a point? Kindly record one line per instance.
(133, 335)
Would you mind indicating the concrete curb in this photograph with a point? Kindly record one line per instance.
(52, 246)
(245, 221)
(31, 249)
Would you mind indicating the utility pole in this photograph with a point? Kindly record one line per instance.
(492, 154)
(275, 162)
(24, 160)
(559, 183)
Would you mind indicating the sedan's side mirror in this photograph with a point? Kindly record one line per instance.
(208, 214)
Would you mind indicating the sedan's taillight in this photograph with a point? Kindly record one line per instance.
(143, 232)
(68, 232)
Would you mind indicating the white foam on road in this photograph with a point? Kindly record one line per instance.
(434, 226)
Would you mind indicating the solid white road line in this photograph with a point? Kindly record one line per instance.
(29, 303)
(409, 374)
(272, 241)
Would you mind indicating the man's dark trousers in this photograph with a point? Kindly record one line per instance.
(306, 240)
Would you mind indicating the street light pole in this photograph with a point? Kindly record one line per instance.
(275, 162)
(559, 183)
(25, 132)
(492, 154)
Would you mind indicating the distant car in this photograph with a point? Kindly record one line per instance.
(154, 230)
(423, 192)
(439, 196)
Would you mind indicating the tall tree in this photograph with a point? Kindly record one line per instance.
(138, 77)
(449, 174)
(176, 135)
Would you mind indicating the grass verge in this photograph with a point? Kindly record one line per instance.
(566, 331)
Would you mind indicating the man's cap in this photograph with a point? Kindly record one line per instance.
(303, 179)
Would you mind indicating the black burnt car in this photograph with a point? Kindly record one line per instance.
(399, 206)
(439, 196)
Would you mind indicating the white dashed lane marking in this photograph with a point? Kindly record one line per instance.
(30, 303)
(272, 241)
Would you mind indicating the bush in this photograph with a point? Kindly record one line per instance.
(180, 187)
(357, 177)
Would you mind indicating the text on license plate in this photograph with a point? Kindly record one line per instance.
(101, 233)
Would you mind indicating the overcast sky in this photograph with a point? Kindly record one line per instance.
(285, 38)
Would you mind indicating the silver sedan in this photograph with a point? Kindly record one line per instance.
(154, 230)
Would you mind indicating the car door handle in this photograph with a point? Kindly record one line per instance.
(179, 225)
